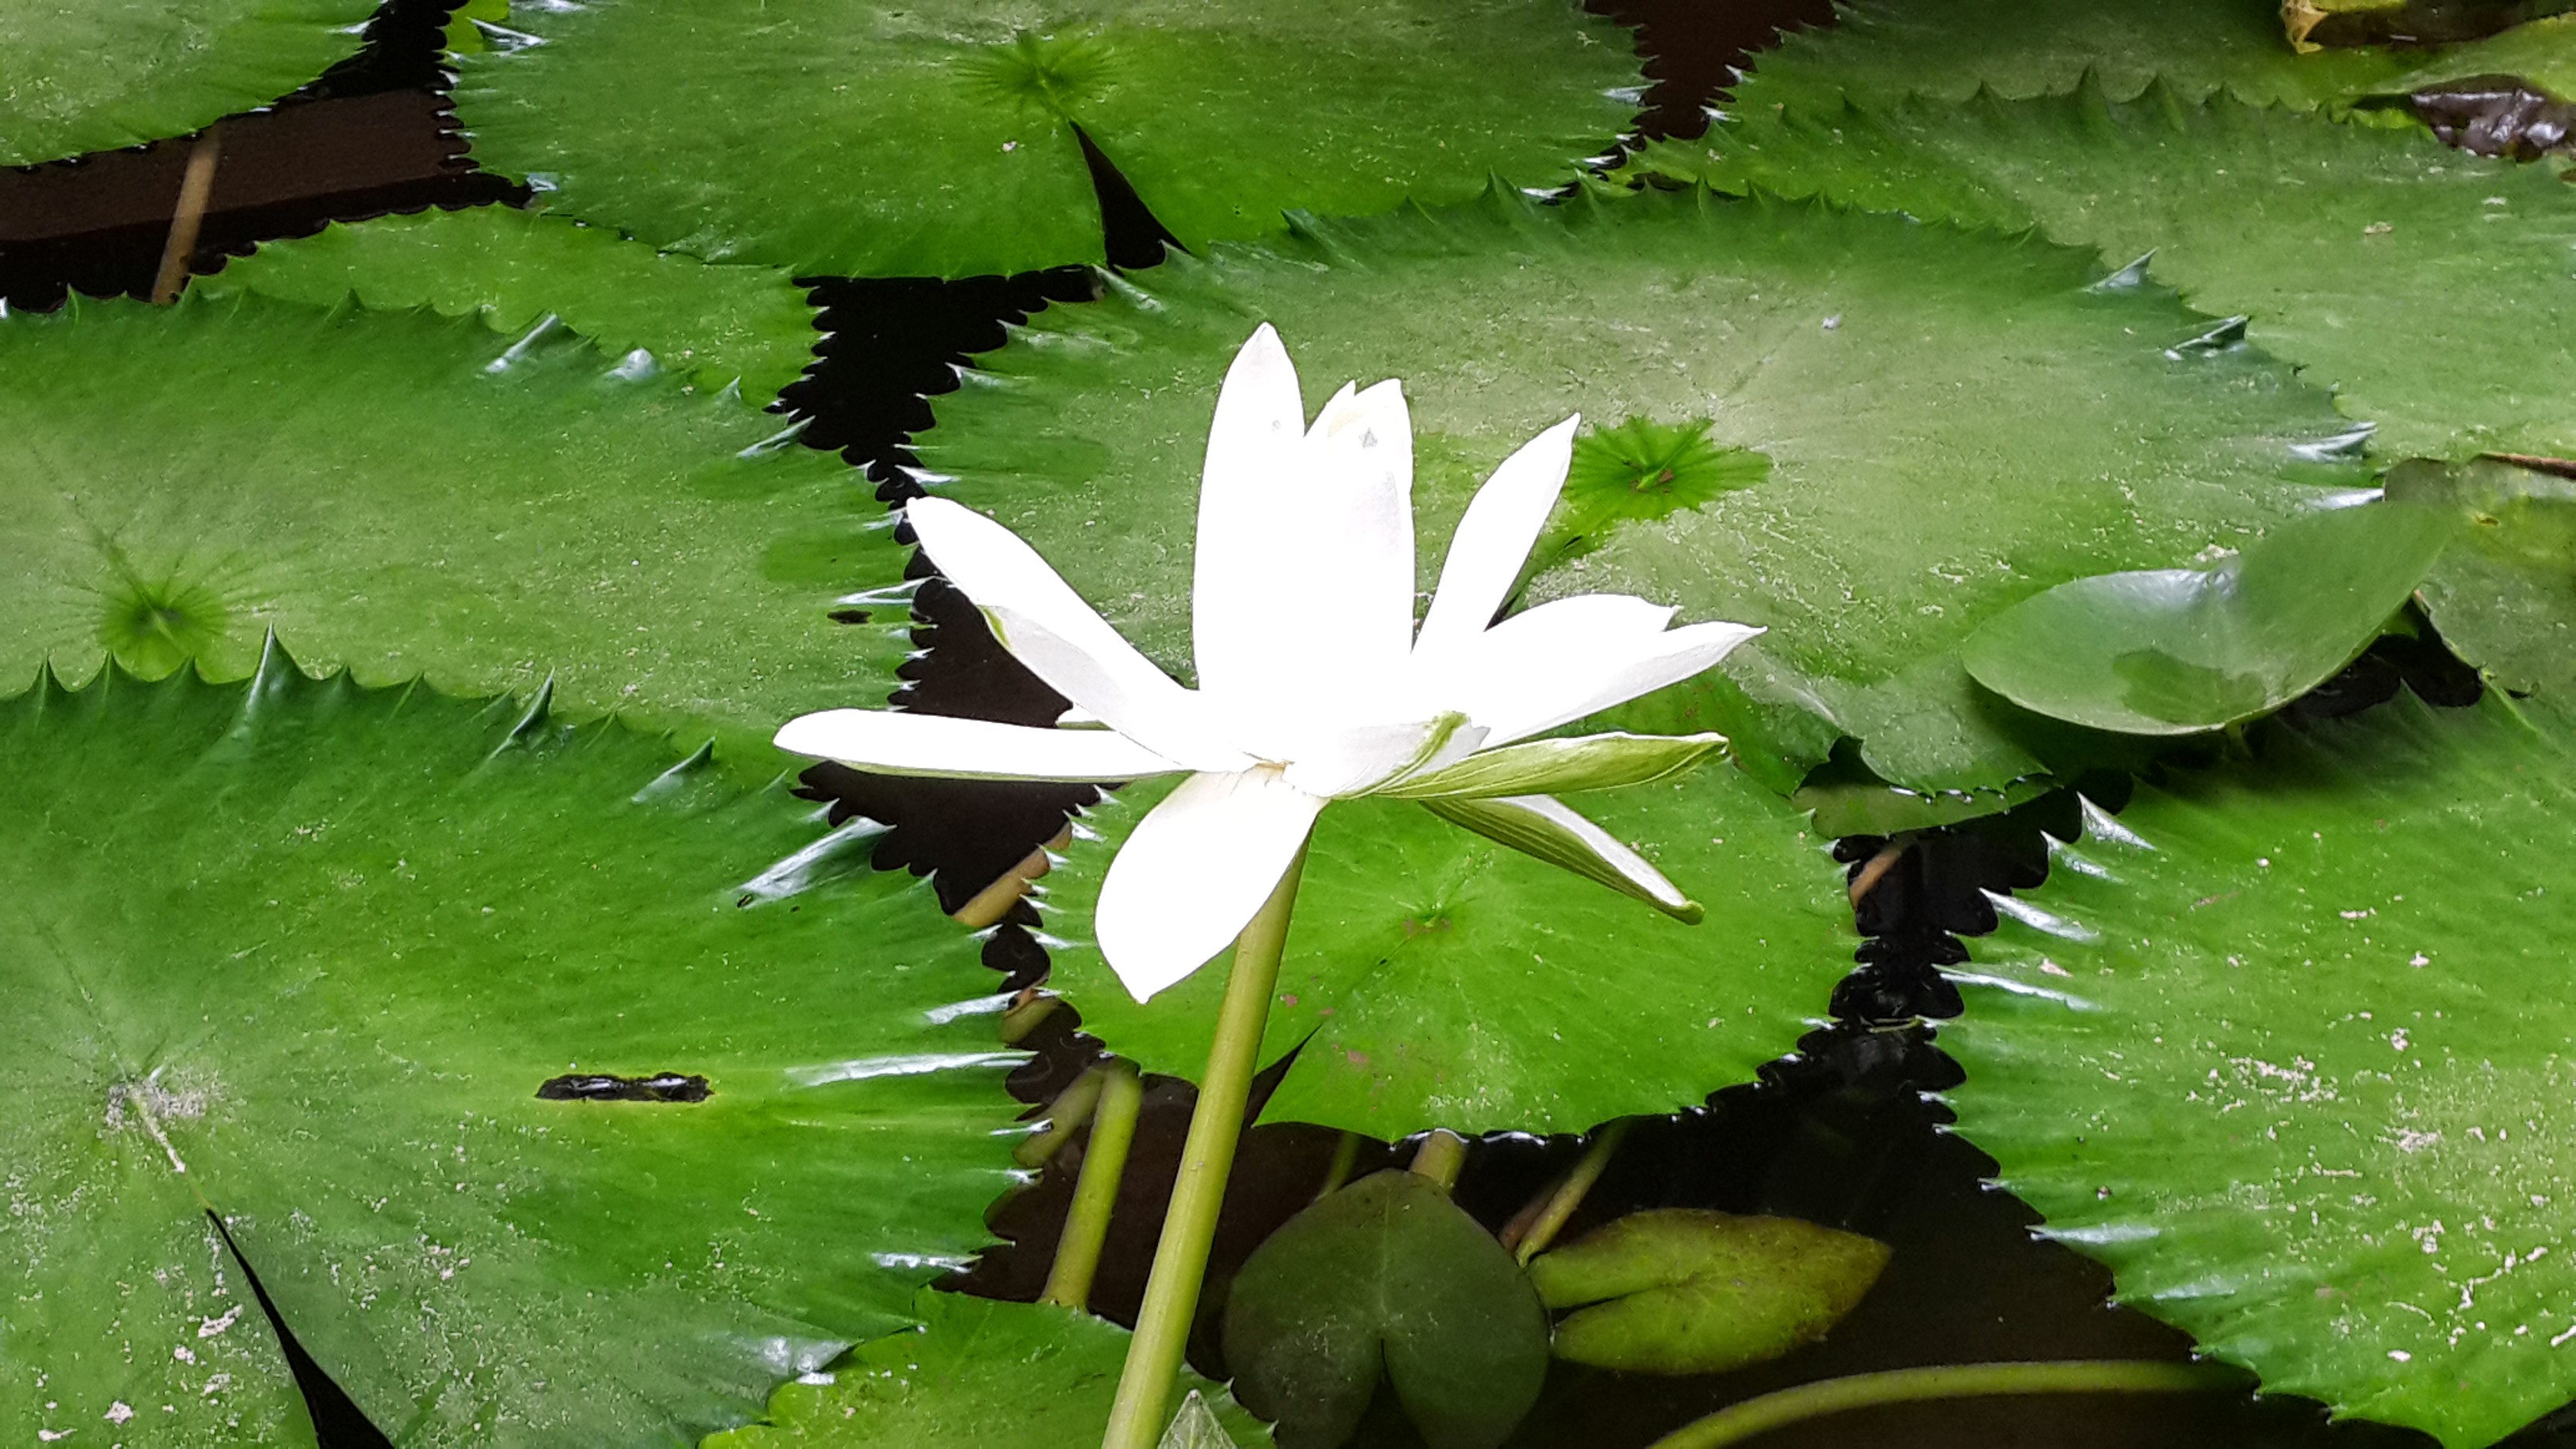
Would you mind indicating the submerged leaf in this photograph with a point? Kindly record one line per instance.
(1686, 1291)
(93, 75)
(950, 135)
(516, 270)
(2177, 651)
(408, 495)
(1953, 422)
(976, 1375)
(2286, 1045)
(312, 954)
(1386, 1273)
(1436, 978)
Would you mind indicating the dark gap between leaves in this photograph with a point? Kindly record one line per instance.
(601, 1087)
(338, 1423)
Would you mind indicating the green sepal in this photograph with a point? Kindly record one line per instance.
(1517, 821)
(1561, 766)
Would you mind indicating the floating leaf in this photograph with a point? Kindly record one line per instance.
(1436, 978)
(1954, 422)
(1879, 52)
(1386, 1275)
(976, 1375)
(515, 269)
(1687, 1291)
(92, 75)
(2542, 52)
(946, 137)
(406, 495)
(2178, 651)
(312, 955)
(2286, 1045)
(2507, 601)
(2430, 288)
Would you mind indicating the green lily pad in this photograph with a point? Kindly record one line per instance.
(2286, 1045)
(406, 495)
(1687, 1291)
(2506, 602)
(515, 269)
(1437, 979)
(2430, 288)
(1883, 51)
(2179, 651)
(359, 969)
(92, 75)
(2542, 52)
(975, 1375)
(1387, 1276)
(1954, 422)
(940, 137)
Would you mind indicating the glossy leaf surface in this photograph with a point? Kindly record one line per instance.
(514, 269)
(2542, 52)
(2505, 600)
(1954, 422)
(410, 495)
(90, 75)
(2178, 651)
(1386, 1276)
(2333, 242)
(1687, 1291)
(349, 966)
(1439, 979)
(2286, 1045)
(975, 1375)
(940, 137)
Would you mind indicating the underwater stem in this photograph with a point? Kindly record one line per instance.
(1095, 1192)
(1440, 1157)
(1207, 1157)
(1568, 1194)
(1739, 1422)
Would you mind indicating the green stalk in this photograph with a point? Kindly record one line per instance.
(1440, 1157)
(1566, 1196)
(1095, 1192)
(1189, 1226)
(1346, 1157)
(1739, 1422)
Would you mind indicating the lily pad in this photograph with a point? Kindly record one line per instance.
(2541, 52)
(945, 137)
(1435, 978)
(975, 1374)
(404, 494)
(1386, 1277)
(516, 269)
(2430, 288)
(92, 75)
(2179, 651)
(1954, 422)
(1883, 51)
(1687, 1291)
(362, 970)
(2506, 602)
(2286, 1045)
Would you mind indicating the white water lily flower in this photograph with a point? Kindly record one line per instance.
(1313, 684)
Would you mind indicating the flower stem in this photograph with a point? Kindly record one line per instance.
(1095, 1192)
(1739, 1422)
(1207, 1157)
(1529, 1240)
(1066, 1115)
(1440, 1157)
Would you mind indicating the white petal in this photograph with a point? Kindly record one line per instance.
(1195, 871)
(1350, 762)
(1062, 640)
(890, 742)
(1359, 570)
(1252, 455)
(1543, 826)
(1574, 657)
(1494, 539)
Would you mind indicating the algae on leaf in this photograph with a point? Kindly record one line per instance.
(408, 495)
(334, 962)
(947, 137)
(1437, 979)
(2286, 1045)
(92, 75)
(516, 269)
(976, 1374)
(1954, 421)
